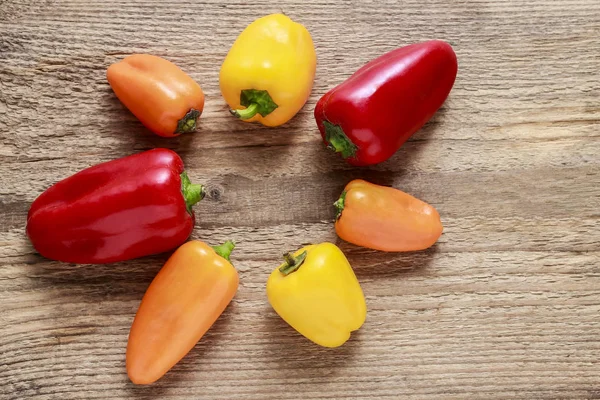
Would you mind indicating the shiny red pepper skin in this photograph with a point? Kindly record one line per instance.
(118, 210)
(386, 101)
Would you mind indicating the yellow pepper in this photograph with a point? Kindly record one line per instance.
(316, 292)
(269, 71)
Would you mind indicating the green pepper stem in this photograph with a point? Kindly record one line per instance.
(339, 205)
(192, 193)
(246, 113)
(292, 263)
(338, 141)
(225, 249)
(188, 122)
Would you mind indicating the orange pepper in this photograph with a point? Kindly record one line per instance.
(384, 218)
(183, 301)
(163, 97)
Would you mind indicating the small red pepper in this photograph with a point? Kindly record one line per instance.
(118, 210)
(369, 116)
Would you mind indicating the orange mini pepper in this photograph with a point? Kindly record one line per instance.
(384, 218)
(183, 301)
(163, 97)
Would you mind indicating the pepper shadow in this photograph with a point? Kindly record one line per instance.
(123, 123)
(371, 264)
(289, 351)
(119, 280)
(431, 126)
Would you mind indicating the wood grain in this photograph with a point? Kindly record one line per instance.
(506, 305)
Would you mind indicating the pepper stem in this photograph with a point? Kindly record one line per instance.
(225, 249)
(339, 205)
(192, 193)
(246, 113)
(338, 141)
(256, 102)
(188, 122)
(292, 263)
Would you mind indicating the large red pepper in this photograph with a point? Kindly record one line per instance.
(369, 116)
(118, 210)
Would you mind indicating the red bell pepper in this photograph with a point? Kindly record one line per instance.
(370, 115)
(118, 210)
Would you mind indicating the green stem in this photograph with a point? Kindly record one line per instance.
(338, 141)
(225, 249)
(292, 263)
(188, 122)
(339, 205)
(246, 113)
(192, 193)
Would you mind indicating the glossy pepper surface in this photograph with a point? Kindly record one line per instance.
(163, 97)
(268, 73)
(384, 218)
(183, 301)
(370, 115)
(118, 210)
(317, 293)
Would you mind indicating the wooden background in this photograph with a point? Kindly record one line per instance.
(506, 305)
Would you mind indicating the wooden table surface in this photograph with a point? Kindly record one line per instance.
(506, 305)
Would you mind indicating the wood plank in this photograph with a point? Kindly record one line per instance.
(433, 317)
(504, 306)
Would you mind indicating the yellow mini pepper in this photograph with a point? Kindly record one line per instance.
(269, 71)
(316, 292)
